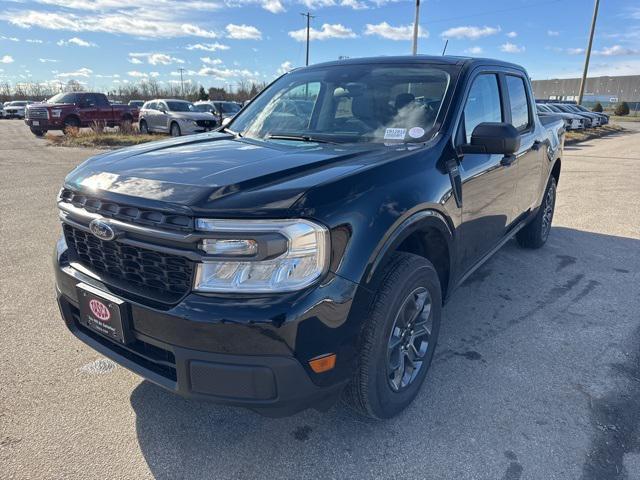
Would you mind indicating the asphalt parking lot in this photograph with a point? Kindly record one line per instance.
(537, 374)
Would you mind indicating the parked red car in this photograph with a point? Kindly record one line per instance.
(75, 110)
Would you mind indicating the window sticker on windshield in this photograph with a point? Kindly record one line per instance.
(416, 132)
(395, 133)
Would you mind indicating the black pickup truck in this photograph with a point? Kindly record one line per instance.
(304, 251)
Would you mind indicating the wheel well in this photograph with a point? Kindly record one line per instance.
(127, 117)
(72, 117)
(431, 244)
(555, 171)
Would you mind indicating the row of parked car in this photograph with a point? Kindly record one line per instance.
(15, 109)
(179, 117)
(576, 117)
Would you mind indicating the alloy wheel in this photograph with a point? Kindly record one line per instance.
(409, 340)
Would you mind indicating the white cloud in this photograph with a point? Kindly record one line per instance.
(78, 42)
(211, 61)
(511, 48)
(154, 58)
(137, 74)
(47, 60)
(553, 33)
(285, 67)
(82, 72)
(227, 73)
(512, 34)
(470, 32)
(243, 32)
(616, 50)
(154, 74)
(474, 50)
(327, 31)
(33, 40)
(208, 47)
(403, 32)
(355, 4)
(575, 51)
(10, 39)
(6, 59)
(273, 6)
(122, 22)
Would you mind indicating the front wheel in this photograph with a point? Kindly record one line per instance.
(399, 338)
(144, 128)
(535, 234)
(175, 130)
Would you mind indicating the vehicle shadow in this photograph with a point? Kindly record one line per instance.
(517, 338)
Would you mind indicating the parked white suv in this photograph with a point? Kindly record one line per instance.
(176, 117)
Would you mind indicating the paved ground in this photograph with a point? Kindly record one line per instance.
(537, 375)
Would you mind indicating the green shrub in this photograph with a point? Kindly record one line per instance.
(622, 109)
(597, 107)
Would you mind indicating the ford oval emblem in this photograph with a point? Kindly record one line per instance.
(102, 230)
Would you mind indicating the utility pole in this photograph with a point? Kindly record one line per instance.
(416, 27)
(309, 17)
(586, 60)
(444, 50)
(181, 70)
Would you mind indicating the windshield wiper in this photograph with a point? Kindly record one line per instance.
(301, 138)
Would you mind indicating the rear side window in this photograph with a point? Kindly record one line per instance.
(518, 103)
(151, 106)
(483, 103)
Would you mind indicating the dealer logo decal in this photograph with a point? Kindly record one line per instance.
(100, 310)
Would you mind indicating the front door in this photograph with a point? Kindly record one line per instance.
(488, 183)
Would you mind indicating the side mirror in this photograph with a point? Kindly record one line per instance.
(495, 138)
(225, 121)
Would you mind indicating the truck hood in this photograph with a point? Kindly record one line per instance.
(220, 173)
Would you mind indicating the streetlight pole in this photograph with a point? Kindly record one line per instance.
(181, 70)
(309, 17)
(588, 56)
(416, 28)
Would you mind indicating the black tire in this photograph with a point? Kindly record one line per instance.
(174, 130)
(535, 234)
(71, 123)
(144, 128)
(37, 132)
(376, 390)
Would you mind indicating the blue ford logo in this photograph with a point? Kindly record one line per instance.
(102, 230)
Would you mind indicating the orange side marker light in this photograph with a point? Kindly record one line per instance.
(323, 363)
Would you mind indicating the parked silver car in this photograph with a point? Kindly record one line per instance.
(16, 109)
(176, 117)
(220, 109)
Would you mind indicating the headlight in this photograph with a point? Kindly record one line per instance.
(252, 256)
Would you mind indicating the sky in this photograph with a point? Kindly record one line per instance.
(107, 43)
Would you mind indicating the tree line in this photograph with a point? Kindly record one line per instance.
(145, 90)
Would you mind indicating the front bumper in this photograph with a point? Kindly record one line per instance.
(252, 353)
(44, 124)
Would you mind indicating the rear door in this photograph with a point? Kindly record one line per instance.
(488, 182)
(87, 109)
(532, 147)
(162, 117)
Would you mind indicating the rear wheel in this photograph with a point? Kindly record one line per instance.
(535, 234)
(399, 338)
(175, 130)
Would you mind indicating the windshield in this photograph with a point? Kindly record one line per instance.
(181, 106)
(204, 107)
(63, 98)
(229, 107)
(349, 103)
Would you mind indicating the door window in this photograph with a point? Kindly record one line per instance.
(483, 103)
(518, 102)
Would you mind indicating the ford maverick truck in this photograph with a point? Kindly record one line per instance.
(76, 110)
(303, 252)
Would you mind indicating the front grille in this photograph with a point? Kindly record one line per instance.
(206, 123)
(37, 113)
(126, 213)
(165, 276)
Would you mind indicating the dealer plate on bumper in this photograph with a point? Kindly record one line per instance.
(104, 313)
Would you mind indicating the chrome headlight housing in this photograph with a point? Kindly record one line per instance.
(261, 256)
